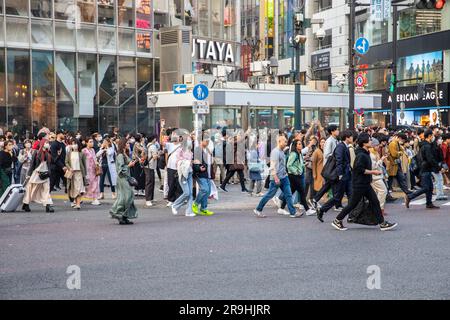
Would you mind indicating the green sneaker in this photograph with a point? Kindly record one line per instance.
(207, 213)
(195, 208)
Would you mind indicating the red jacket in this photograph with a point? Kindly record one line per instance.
(446, 152)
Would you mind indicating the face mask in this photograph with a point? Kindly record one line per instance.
(2, 144)
(74, 147)
(78, 136)
(132, 140)
(99, 139)
(46, 146)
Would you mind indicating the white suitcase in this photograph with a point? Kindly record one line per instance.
(12, 198)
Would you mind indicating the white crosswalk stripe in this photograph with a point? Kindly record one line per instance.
(423, 201)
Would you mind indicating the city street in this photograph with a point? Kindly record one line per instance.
(231, 255)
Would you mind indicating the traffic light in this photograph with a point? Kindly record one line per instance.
(392, 83)
(430, 4)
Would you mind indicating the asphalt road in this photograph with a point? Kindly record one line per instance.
(231, 255)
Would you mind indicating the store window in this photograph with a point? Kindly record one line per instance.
(231, 20)
(3, 123)
(200, 18)
(107, 39)
(217, 19)
(161, 13)
(67, 10)
(17, 32)
(87, 10)
(2, 38)
(105, 9)
(125, 13)
(413, 22)
(108, 107)
(17, 7)
(145, 116)
(86, 38)
(127, 94)
(42, 33)
(324, 5)
(41, 8)
(326, 42)
(43, 104)
(143, 42)
(64, 35)
(65, 74)
(143, 14)
(87, 90)
(126, 41)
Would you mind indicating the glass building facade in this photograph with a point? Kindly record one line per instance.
(77, 65)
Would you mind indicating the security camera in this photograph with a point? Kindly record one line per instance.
(320, 34)
(300, 39)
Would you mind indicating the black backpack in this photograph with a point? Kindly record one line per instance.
(329, 172)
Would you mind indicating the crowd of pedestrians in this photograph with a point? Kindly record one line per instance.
(309, 171)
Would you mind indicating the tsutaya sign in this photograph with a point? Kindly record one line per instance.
(213, 50)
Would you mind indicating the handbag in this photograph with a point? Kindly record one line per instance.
(98, 170)
(132, 182)
(43, 171)
(68, 174)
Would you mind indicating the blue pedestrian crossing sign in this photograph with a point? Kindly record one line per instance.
(200, 92)
(362, 45)
(179, 88)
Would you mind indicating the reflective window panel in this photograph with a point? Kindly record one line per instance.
(86, 10)
(86, 38)
(17, 32)
(65, 73)
(126, 41)
(65, 35)
(41, 8)
(125, 13)
(143, 14)
(107, 39)
(105, 11)
(42, 33)
(17, 7)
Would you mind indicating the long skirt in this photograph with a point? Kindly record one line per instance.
(77, 188)
(38, 192)
(124, 204)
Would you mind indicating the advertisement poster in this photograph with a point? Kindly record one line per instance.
(434, 117)
(426, 66)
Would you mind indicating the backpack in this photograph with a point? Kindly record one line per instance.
(329, 171)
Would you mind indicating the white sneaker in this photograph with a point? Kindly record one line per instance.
(311, 212)
(277, 201)
(148, 204)
(283, 212)
(299, 206)
(174, 211)
(169, 204)
(96, 203)
(298, 214)
(258, 214)
(190, 214)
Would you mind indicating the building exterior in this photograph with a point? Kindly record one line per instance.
(77, 65)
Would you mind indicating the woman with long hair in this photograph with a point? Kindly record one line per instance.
(76, 178)
(38, 186)
(25, 158)
(107, 159)
(317, 167)
(377, 183)
(124, 208)
(92, 190)
(7, 158)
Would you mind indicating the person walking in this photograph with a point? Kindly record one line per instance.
(394, 168)
(138, 156)
(296, 174)
(58, 156)
(278, 180)
(184, 166)
(150, 168)
(107, 158)
(25, 158)
(202, 172)
(255, 168)
(343, 171)
(76, 178)
(123, 208)
(429, 164)
(317, 167)
(92, 172)
(361, 185)
(236, 165)
(378, 184)
(173, 151)
(7, 160)
(38, 187)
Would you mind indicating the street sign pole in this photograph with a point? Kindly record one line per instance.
(394, 69)
(351, 67)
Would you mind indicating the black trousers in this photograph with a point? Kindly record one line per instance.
(56, 174)
(230, 174)
(149, 184)
(357, 194)
(297, 184)
(174, 186)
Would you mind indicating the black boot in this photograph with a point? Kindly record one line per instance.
(49, 208)
(26, 207)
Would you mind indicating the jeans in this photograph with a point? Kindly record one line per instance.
(273, 188)
(339, 189)
(297, 185)
(186, 186)
(357, 195)
(106, 172)
(204, 185)
(258, 184)
(401, 179)
(149, 184)
(426, 187)
(439, 184)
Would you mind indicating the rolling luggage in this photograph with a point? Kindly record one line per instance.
(12, 198)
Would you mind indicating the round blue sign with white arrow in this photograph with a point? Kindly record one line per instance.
(362, 45)
(200, 92)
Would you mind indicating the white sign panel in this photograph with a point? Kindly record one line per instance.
(380, 10)
(200, 107)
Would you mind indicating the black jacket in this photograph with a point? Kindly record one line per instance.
(58, 153)
(362, 163)
(429, 158)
